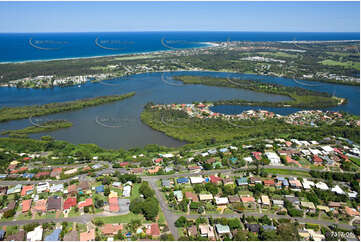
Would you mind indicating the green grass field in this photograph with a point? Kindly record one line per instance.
(348, 64)
(278, 54)
(287, 172)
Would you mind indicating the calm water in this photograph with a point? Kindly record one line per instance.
(45, 46)
(130, 131)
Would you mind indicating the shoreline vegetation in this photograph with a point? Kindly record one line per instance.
(179, 125)
(42, 127)
(301, 98)
(13, 113)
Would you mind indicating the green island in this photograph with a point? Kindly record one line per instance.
(301, 97)
(179, 125)
(13, 113)
(42, 127)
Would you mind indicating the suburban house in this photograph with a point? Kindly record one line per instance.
(153, 230)
(88, 236)
(69, 203)
(192, 196)
(111, 229)
(54, 203)
(205, 197)
(207, 231)
(35, 235)
(178, 195)
(26, 205)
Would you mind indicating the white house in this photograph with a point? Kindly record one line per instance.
(322, 186)
(222, 200)
(56, 188)
(307, 184)
(35, 235)
(273, 157)
(42, 187)
(126, 191)
(196, 179)
(338, 190)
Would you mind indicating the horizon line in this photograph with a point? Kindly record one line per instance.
(126, 31)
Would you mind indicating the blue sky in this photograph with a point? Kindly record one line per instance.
(155, 16)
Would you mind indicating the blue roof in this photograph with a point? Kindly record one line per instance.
(28, 175)
(99, 188)
(54, 236)
(2, 234)
(285, 182)
(268, 227)
(242, 180)
(223, 150)
(182, 180)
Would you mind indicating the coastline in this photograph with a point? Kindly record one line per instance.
(207, 45)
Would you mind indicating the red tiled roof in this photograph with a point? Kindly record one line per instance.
(56, 171)
(153, 230)
(87, 236)
(158, 160)
(42, 173)
(69, 202)
(109, 229)
(269, 182)
(122, 164)
(25, 189)
(247, 199)
(192, 196)
(317, 159)
(72, 188)
(351, 211)
(26, 204)
(215, 179)
(113, 204)
(257, 155)
(86, 203)
(40, 205)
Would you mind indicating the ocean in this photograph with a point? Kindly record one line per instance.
(20, 47)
